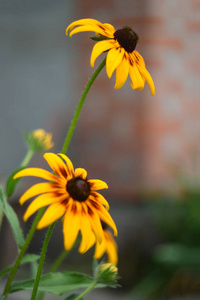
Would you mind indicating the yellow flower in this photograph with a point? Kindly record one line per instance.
(69, 194)
(121, 56)
(109, 246)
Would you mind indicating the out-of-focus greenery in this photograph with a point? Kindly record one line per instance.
(174, 267)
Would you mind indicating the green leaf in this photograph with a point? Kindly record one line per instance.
(72, 297)
(13, 220)
(57, 283)
(11, 183)
(26, 259)
(3, 298)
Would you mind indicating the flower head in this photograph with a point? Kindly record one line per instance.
(121, 56)
(69, 194)
(39, 140)
(108, 245)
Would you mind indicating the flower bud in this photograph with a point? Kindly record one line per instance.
(39, 140)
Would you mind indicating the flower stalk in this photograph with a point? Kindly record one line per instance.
(79, 107)
(22, 252)
(41, 261)
(87, 290)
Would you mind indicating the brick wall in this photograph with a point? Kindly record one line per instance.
(126, 137)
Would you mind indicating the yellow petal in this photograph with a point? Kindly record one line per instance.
(105, 216)
(69, 163)
(37, 189)
(36, 172)
(96, 184)
(100, 249)
(86, 232)
(53, 213)
(100, 199)
(111, 248)
(114, 57)
(82, 244)
(148, 78)
(122, 73)
(40, 201)
(99, 48)
(82, 22)
(71, 227)
(96, 224)
(79, 172)
(91, 25)
(56, 163)
(137, 80)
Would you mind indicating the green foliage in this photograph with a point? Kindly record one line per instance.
(29, 258)
(178, 255)
(73, 297)
(12, 219)
(57, 283)
(11, 183)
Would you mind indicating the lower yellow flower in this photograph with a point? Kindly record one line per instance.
(109, 246)
(70, 194)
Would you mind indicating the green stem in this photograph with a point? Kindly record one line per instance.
(23, 251)
(58, 261)
(41, 262)
(79, 107)
(87, 290)
(27, 158)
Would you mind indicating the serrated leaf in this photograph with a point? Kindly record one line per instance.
(26, 259)
(11, 183)
(57, 283)
(13, 220)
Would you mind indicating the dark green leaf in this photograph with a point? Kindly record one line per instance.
(26, 259)
(13, 220)
(57, 283)
(11, 183)
(72, 297)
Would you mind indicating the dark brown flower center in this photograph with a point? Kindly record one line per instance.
(78, 188)
(127, 38)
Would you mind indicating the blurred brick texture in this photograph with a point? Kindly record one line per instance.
(132, 140)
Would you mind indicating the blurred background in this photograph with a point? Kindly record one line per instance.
(146, 148)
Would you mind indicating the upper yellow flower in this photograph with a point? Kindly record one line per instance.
(71, 194)
(121, 56)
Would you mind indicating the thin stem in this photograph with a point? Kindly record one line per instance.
(79, 107)
(41, 262)
(22, 252)
(27, 158)
(58, 261)
(87, 290)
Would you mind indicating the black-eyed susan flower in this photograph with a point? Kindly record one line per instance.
(121, 56)
(69, 194)
(108, 246)
(39, 140)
